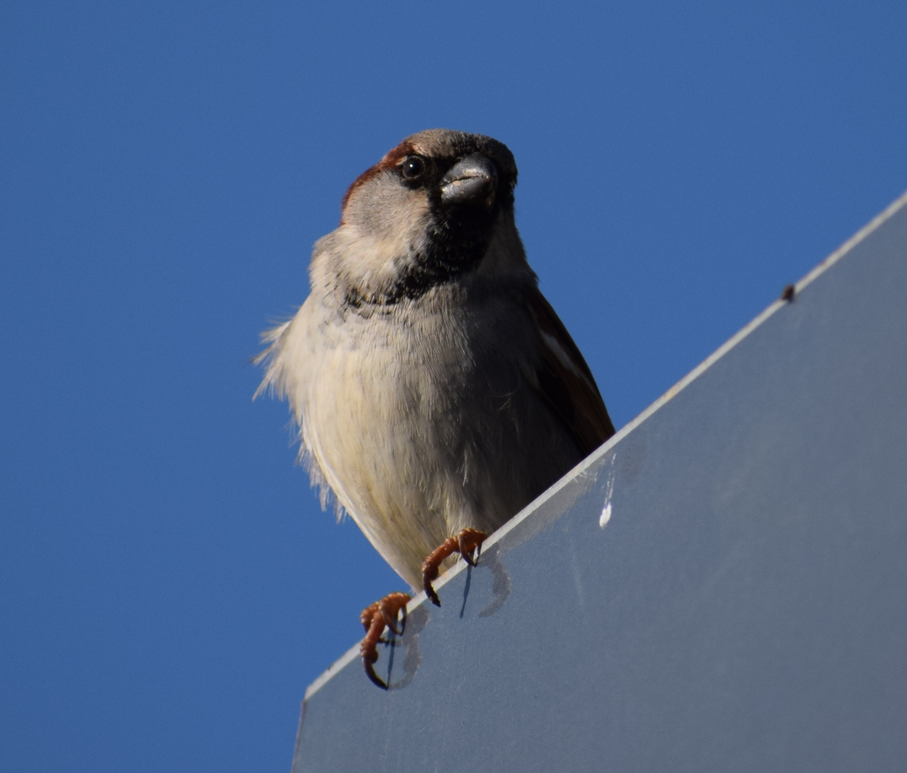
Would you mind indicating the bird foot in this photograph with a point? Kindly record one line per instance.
(467, 541)
(375, 618)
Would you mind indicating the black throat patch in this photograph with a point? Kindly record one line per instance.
(458, 241)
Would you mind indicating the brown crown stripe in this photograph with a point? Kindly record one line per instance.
(390, 160)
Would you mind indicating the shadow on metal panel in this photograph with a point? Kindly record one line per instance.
(723, 586)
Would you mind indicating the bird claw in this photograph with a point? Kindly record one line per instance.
(375, 618)
(383, 614)
(465, 543)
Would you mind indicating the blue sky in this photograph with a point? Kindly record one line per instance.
(168, 584)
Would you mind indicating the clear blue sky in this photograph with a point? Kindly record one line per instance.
(168, 584)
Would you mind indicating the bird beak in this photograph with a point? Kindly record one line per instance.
(471, 182)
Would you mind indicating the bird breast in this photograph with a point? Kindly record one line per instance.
(407, 417)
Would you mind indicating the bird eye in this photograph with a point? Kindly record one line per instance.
(412, 167)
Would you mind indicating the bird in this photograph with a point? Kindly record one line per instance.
(435, 390)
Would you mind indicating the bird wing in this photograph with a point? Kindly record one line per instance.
(565, 382)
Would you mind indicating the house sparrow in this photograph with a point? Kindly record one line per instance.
(436, 391)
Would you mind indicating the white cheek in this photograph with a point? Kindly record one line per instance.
(383, 208)
(380, 233)
(366, 256)
(405, 214)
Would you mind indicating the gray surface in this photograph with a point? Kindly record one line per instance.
(744, 608)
